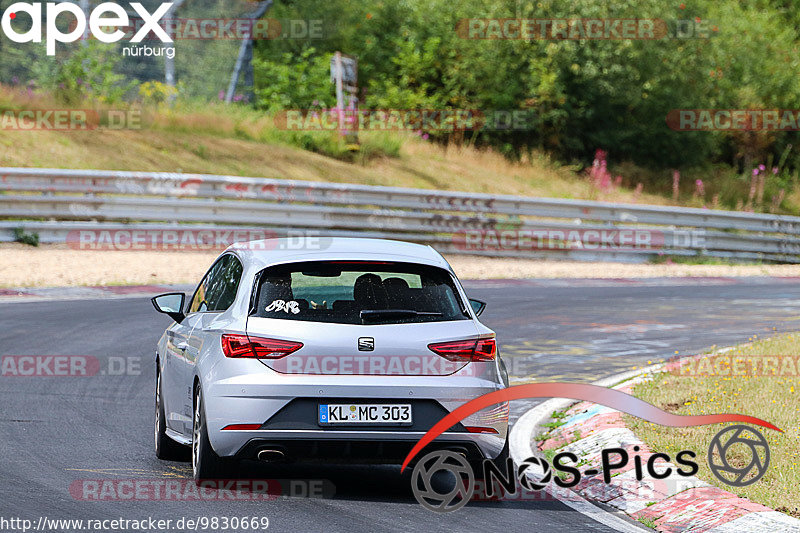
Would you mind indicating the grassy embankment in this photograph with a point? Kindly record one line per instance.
(218, 139)
(765, 387)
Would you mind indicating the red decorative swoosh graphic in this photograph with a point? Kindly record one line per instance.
(579, 391)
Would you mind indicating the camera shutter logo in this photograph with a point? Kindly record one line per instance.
(424, 486)
(733, 474)
(542, 479)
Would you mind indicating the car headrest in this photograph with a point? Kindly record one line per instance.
(275, 289)
(369, 292)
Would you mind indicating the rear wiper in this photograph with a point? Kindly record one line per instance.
(367, 314)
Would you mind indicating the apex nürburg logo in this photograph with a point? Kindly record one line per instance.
(102, 23)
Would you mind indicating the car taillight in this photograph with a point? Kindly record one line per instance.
(257, 347)
(467, 350)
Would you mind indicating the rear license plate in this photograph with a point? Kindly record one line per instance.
(343, 413)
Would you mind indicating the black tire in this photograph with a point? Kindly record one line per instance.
(206, 464)
(166, 448)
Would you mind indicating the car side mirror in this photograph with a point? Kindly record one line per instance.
(477, 306)
(170, 304)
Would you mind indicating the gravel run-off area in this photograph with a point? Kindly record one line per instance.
(59, 266)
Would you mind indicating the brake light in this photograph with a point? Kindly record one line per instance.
(468, 350)
(360, 263)
(257, 347)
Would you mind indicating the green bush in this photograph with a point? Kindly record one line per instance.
(589, 94)
(87, 73)
(21, 236)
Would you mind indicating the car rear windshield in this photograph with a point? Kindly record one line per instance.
(358, 292)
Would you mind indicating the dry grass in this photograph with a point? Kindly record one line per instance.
(420, 165)
(218, 139)
(771, 397)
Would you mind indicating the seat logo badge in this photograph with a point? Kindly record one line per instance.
(366, 344)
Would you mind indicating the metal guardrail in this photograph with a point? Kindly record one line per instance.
(54, 202)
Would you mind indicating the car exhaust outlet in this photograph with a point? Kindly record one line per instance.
(271, 456)
(460, 451)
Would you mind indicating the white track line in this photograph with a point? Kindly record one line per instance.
(521, 437)
(520, 446)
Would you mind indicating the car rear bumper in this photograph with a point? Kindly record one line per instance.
(367, 449)
(285, 408)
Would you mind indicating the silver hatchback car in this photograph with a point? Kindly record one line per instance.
(345, 351)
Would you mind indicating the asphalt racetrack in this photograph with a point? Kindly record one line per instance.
(57, 431)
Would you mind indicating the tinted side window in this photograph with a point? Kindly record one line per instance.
(218, 289)
(229, 284)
